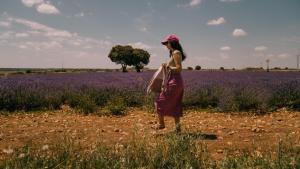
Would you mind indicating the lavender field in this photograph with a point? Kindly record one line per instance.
(87, 91)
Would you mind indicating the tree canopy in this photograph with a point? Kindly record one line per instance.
(129, 56)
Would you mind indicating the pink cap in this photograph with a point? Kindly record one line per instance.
(171, 37)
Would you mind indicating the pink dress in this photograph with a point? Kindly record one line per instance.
(169, 101)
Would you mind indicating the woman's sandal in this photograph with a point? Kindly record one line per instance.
(158, 127)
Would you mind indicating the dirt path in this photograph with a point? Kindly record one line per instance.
(222, 131)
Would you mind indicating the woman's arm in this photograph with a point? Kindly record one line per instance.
(177, 59)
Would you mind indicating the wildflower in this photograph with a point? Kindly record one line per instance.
(21, 155)
(8, 151)
(45, 147)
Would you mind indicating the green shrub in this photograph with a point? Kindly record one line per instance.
(102, 95)
(287, 95)
(133, 98)
(247, 100)
(32, 101)
(148, 103)
(243, 99)
(81, 102)
(54, 101)
(203, 98)
(116, 105)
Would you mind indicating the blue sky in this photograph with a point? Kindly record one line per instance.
(213, 33)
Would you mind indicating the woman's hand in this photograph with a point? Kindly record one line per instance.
(163, 88)
(164, 65)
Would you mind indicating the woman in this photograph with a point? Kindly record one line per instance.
(169, 101)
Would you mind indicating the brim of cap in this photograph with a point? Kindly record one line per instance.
(164, 42)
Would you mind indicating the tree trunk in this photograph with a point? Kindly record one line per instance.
(138, 68)
(124, 68)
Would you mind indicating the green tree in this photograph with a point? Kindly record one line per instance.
(128, 56)
(140, 58)
(198, 67)
(121, 55)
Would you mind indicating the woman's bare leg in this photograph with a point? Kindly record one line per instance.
(161, 120)
(177, 124)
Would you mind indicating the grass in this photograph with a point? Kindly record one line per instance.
(168, 151)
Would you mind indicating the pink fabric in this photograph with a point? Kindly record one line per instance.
(159, 78)
(169, 101)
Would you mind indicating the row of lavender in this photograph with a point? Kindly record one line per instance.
(225, 91)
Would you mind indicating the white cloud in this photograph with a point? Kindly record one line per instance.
(51, 42)
(260, 48)
(41, 6)
(37, 29)
(34, 32)
(195, 2)
(59, 33)
(239, 33)
(47, 9)
(144, 29)
(105, 42)
(258, 54)
(229, 0)
(6, 35)
(50, 45)
(21, 35)
(44, 45)
(30, 3)
(94, 42)
(2, 42)
(87, 47)
(218, 21)
(140, 45)
(30, 24)
(22, 46)
(56, 45)
(48, 31)
(224, 54)
(5, 24)
(81, 14)
(192, 3)
(76, 43)
(283, 56)
(225, 48)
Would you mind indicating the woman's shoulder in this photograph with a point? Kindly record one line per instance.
(176, 52)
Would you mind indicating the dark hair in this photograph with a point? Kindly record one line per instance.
(176, 46)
